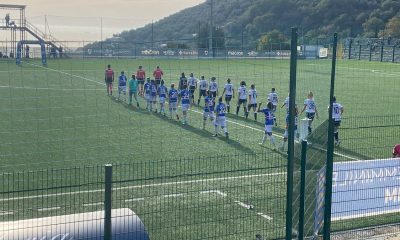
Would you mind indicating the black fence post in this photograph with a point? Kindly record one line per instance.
(382, 51)
(330, 148)
(350, 46)
(290, 163)
(302, 188)
(107, 201)
(370, 53)
(359, 53)
(393, 52)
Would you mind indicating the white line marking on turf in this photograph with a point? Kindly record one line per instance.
(173, 195)
(247, 206)
(264, 216)
(48, 209)
(239, 124)
(4, 213)
(92, 204)
(134, 200)
(146, 185)
(58, 89)
(214, 191)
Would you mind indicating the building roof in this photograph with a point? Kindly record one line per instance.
(12, 6)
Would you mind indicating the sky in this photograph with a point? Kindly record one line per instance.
(91, 20)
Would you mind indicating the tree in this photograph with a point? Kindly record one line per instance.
(203, 36)
(373, 25)
(272, 40)
(393, 27)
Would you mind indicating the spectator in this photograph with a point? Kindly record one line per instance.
(7, 18)
(396, 151)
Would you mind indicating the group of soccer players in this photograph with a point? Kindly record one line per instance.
(215, 109)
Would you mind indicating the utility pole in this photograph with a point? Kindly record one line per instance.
(210, 40)
(152, 34)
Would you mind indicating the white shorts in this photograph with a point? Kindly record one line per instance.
(147, 97)
(173, 105)
(268, 128)
(153, 98)
(122, 89)
(220, 121)
(185, 107)
(208, 115)
(161, 100)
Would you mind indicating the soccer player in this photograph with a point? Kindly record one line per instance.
(203, 89)
(140, 76)
(269, 123)
(396, 151)
(229, 92)
(213, 88)
(242, 92)
(185, 103)
(337, 112)
(122, 85)
(158, 74)
(221, 118)
(192, 82)
(173, 101)
(311, 110)
(183, 82)
(153, 95)
(133, 87)
(147, 93)
(109, 79)
(286, 134)
(162, 94)
(286, 103)
(273, 97)
(208, 109)
(253, 100)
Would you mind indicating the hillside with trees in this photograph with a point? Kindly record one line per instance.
(257, 23)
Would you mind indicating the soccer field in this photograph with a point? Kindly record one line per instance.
(60, 117)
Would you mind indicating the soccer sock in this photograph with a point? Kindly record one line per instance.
(272, 140)
(264, 137)
(170, 112)
(225, 129)
(309, 130)
(237, 110)
(204, 123)
(229, 108)
(198, 101)
(336, 136)
(255, 116)
(216, 129)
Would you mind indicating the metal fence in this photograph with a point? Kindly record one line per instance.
(194, 198)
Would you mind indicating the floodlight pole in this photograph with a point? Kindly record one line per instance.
(210, 40)
(329, 154)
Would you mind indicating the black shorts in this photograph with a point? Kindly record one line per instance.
(228, 98)
(192, 89)
(141, 81)
(214, 94)
(240, 101)
(310, 115)
(336, 123)
(254, 105)
(203, 93)
(158, 81)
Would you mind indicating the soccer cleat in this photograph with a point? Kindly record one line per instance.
(177, 117)
(261, 143)
(215, 135)
(227, 135)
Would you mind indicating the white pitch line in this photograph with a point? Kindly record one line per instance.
(4, 213)
(247, 206)
(264, 216)
(214, 191)
(146, 185)
(92, 204)
(134, 200)
(58, 89)
(48, 209)
(173, 195)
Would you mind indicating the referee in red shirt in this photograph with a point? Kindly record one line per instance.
(109, 79)
(396, 151)
(140, 76)
(158, 74)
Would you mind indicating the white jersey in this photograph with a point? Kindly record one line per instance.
(203, 84)
(229, 89)
(287, 104)
(242, 91)
(192, 81)
(273, 97)
(253, 96)
(337, 111)
(310, 105)
(213, 86)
